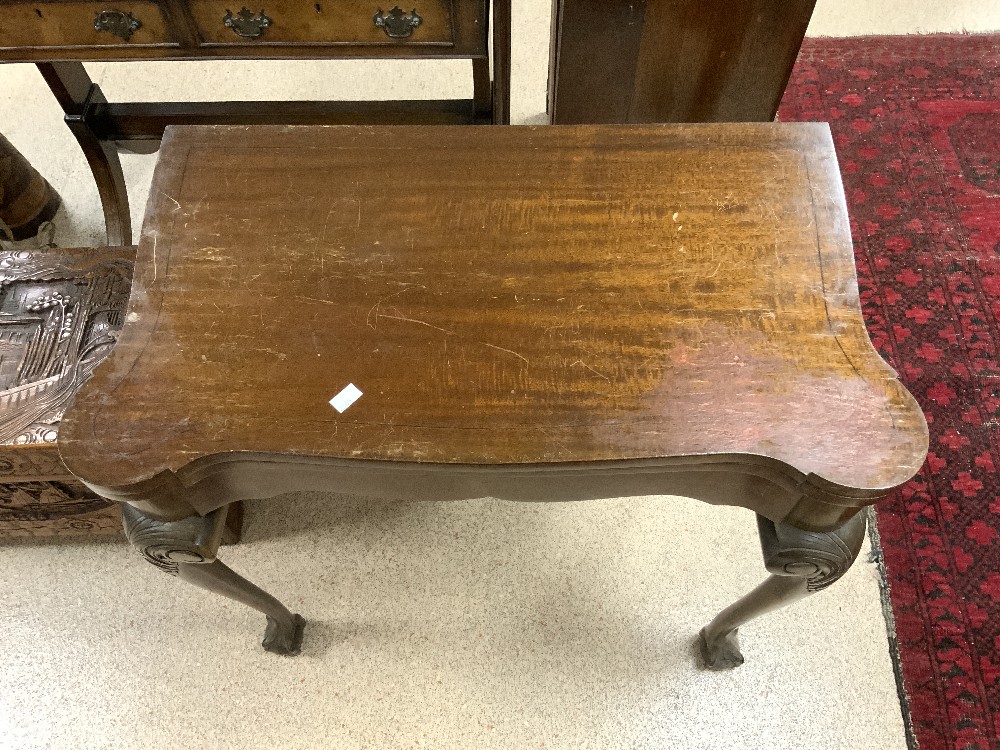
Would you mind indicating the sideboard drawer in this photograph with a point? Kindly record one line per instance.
(324, 22)
(82, 24)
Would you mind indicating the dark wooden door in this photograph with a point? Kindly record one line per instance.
(632, 61)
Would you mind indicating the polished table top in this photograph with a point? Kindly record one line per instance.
(499, 296)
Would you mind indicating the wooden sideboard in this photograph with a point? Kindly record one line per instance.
(154, 29)
(59, 35)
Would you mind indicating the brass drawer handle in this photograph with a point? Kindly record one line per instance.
(122, 25)
(396, 23)
(247, 24)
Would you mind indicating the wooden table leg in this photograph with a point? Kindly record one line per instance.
(482, 96)
(187, 548)
(77, 94)
(800, 563)
(501, 61)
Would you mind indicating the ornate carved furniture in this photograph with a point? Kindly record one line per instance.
(556, 313)
(26, 198)
(60, 313)
(58, 35)
(632, 61)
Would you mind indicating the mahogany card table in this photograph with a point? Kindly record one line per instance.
(537, 314)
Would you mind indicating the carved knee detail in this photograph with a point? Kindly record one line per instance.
(819, 557)
(168, 544)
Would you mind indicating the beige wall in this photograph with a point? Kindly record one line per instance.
(857, 17)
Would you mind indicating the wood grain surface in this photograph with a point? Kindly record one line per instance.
(516, 296)
(635, 61)
(71, 24)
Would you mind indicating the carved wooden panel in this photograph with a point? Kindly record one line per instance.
(59, 317)
(31, 462)
(60, 313)
(43, 509)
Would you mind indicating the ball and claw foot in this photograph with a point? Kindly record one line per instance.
(282, 639)
(722, 652)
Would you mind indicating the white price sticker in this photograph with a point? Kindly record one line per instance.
(343, 400)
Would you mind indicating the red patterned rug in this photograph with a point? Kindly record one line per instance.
(916, 121)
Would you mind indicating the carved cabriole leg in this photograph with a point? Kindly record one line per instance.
(801, 563)
(187, 548)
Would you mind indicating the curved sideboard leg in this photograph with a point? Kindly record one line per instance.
(78, 96)
(800, 563)
(187, 548)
